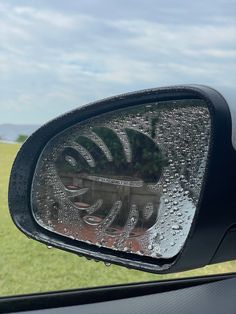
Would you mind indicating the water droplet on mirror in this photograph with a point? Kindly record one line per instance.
(150, 246)
(132, 219)
(92, 220)
(175, 227)
(71, 160)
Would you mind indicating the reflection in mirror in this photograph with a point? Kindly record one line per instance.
(129, 180)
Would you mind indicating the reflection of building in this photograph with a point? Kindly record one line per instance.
(146, 202)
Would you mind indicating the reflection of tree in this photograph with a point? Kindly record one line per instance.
(147, 161)
(146, 164)
(153, 126)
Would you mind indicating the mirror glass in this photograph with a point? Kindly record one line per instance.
(129, 180)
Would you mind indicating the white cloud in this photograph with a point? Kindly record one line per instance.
(217, 53)
(50, 17)
(48, 56)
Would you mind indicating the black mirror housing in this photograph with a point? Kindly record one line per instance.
(212, 234)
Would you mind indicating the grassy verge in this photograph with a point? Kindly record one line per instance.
(27, 266)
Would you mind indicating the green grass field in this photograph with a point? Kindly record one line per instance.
(27, 266)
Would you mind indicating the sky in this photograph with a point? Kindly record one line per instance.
(58, 55)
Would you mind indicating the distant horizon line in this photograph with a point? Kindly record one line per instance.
(12, 123)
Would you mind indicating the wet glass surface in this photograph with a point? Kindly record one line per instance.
(128, 180)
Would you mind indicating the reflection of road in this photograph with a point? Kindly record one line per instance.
(89, 233)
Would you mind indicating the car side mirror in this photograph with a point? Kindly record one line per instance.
(145, 180)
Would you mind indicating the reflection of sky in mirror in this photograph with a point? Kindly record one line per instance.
(57, 55)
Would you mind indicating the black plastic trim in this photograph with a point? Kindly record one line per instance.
(227, 247)
(58, 299)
